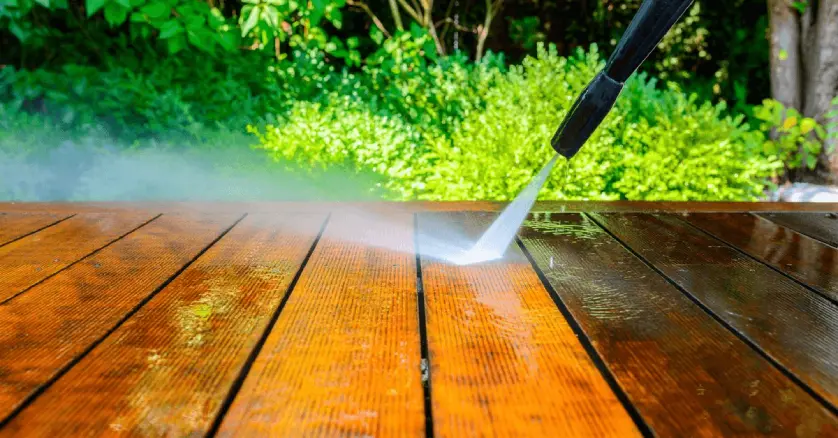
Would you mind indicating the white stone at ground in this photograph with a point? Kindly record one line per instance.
(802, 192)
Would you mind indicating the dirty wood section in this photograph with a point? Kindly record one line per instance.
(603, 319)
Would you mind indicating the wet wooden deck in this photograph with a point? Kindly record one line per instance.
(603, 319)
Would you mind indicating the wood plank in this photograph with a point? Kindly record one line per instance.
(808, 260)
(168, 369)
(503, 359)
(413, 206)
(47, 329)
(13, 226)
(32, 259)
(685, 373)
(785, 320)
(344, 356)
(821, 226)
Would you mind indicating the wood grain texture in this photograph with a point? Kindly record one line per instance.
(45, 330)
(16, 225)
(804, 258)
(821, 226)
(29, 260)
(686, 374)
(412, 206)
(504, 361)
(344, 356)
(168, 369)
(785, 320)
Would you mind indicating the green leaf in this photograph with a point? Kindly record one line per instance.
(176, 44)
(137, 17)
(228, 40)
(271, 16)
(44, 3)
(156, 9)
(783, 55)
(800, 6)
(807, 125)
(336, 18)
(352, 42)
(170, 29)
(126, 3)
(115, 13)
(317, 10)
(376, 35)
(93, 6)
(250, 15)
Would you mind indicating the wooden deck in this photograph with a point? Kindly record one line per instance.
(603, 319)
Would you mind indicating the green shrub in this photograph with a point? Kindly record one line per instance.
(655, 144)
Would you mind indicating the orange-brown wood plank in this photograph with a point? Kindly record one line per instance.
(28, 261)
(687, 375)
(804, 258)
(503, 359)
(168, 369)
(13, 226)
(821, 226)
(343, 358)
(785, 320)
(47, 329)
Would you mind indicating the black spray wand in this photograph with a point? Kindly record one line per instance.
(648, 27)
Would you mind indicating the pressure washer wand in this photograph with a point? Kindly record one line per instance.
(651, 22)
(649, 25)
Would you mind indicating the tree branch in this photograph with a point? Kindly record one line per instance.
(369, 12)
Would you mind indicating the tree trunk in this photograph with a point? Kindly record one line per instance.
(804, 64)
(785, 58)
(821, 79)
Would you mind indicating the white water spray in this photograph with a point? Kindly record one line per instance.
(494, 242)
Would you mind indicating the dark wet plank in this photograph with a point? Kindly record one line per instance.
(504, 361)
(16, 225)
(784, 319)
(344, 356)
(168, 369)
(686, 374)
(35, 257)
(804, 258)
(821, 226)
(43, 331)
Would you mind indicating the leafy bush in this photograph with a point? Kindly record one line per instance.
(660, 145)
(799, 139)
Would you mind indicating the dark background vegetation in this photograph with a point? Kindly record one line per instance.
(433, 99)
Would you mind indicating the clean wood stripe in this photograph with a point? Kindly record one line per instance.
(14, 226)
(167, 370)
(784, 320)
(808, 260)
(504, 360)
(50, 327)
(821, 226)
(30, 260)
(343, 358)
(684, 372)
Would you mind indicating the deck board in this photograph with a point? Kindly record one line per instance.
(504, 361)
(169, 368)
(782, 318)
(320, 319)
(808, 260)
(344, 356)
(712, 384)
(33, 258)
(47, 329)
(821, 226)
(13, 226)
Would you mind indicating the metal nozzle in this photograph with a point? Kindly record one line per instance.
(586, 114)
